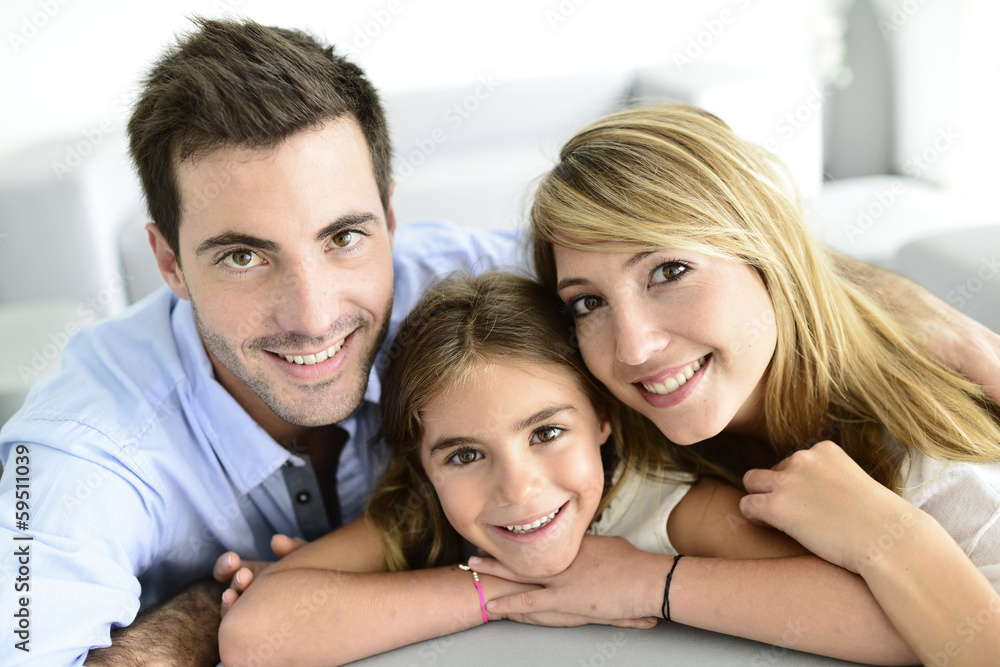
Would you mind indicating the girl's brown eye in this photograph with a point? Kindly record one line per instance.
(548, 433)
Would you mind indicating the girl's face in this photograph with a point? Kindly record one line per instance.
(684, 338)
(515, 460)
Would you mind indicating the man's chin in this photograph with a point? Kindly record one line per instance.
(327, 408)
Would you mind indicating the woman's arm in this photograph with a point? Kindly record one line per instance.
(732, 581)
(937, 598)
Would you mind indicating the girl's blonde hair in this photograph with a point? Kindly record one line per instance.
(676, 176)
(457, 325)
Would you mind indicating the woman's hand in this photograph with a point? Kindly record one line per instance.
(610, 582)
(824, 500)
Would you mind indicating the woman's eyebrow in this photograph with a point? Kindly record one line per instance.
(629, 264)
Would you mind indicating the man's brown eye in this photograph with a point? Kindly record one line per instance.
(242, 258)
(343, 239)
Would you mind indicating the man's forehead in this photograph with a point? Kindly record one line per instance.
(318, 174)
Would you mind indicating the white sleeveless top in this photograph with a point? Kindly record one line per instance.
(640, 509)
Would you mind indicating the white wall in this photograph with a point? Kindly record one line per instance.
(67, 66)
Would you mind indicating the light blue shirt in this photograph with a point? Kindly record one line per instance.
(139, 468)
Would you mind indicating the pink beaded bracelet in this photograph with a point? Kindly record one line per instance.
(479, 588)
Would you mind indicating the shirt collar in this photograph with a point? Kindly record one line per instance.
(248, 454)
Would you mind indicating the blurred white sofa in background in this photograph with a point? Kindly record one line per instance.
(73, 248)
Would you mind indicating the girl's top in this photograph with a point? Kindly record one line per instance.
(640, 509)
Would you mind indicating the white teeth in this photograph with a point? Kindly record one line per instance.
(672, 384)
(310, 359)
(534, 525)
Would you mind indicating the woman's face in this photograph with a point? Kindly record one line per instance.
(683, 337)
(515, 460)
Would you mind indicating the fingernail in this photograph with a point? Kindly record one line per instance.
(491, 605)
(475, 560)
(229, 560)
(237, 577)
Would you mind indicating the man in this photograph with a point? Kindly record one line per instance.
(239, 402)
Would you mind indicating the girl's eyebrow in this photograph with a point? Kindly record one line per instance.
(537, 418)
(448, 443)
(541, 416)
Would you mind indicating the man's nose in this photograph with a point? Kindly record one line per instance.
(305, 303)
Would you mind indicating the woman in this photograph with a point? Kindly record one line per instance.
(702, 301)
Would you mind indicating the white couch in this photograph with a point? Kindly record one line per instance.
(72, 247)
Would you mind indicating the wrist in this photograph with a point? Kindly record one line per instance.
(889, 548)
(656, 568)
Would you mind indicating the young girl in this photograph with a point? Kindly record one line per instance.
(503, 442)
(702, 301)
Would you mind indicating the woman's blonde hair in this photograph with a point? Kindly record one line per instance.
(459, 324)
(676, 176)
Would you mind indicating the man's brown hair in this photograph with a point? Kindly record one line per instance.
(239, 83)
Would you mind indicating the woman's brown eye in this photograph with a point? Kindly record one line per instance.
(467, 457)
(591, 303)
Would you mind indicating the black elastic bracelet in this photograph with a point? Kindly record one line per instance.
(665, 608)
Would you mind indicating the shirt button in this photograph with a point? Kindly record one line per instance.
(302, 497)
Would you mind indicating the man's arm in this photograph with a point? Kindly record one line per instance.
(953, 337)
(183, 631)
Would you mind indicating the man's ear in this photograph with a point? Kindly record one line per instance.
(166, 261)
(390, 215)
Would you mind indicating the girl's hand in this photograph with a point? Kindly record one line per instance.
(610, 582)
(824, 500)
(239, 574)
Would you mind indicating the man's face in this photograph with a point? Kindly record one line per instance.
(285, 255)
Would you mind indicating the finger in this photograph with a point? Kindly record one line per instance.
(282, 545)
(494, 568)
(525, 602)
(644, 623)
(243, 578)
(229, 598)
(756, 507)
(226, 566)
(550, 619)
(760, 480)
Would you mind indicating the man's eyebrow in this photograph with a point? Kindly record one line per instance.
(346, 221)
(257, 243)
(629, 263)
(232, 239)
